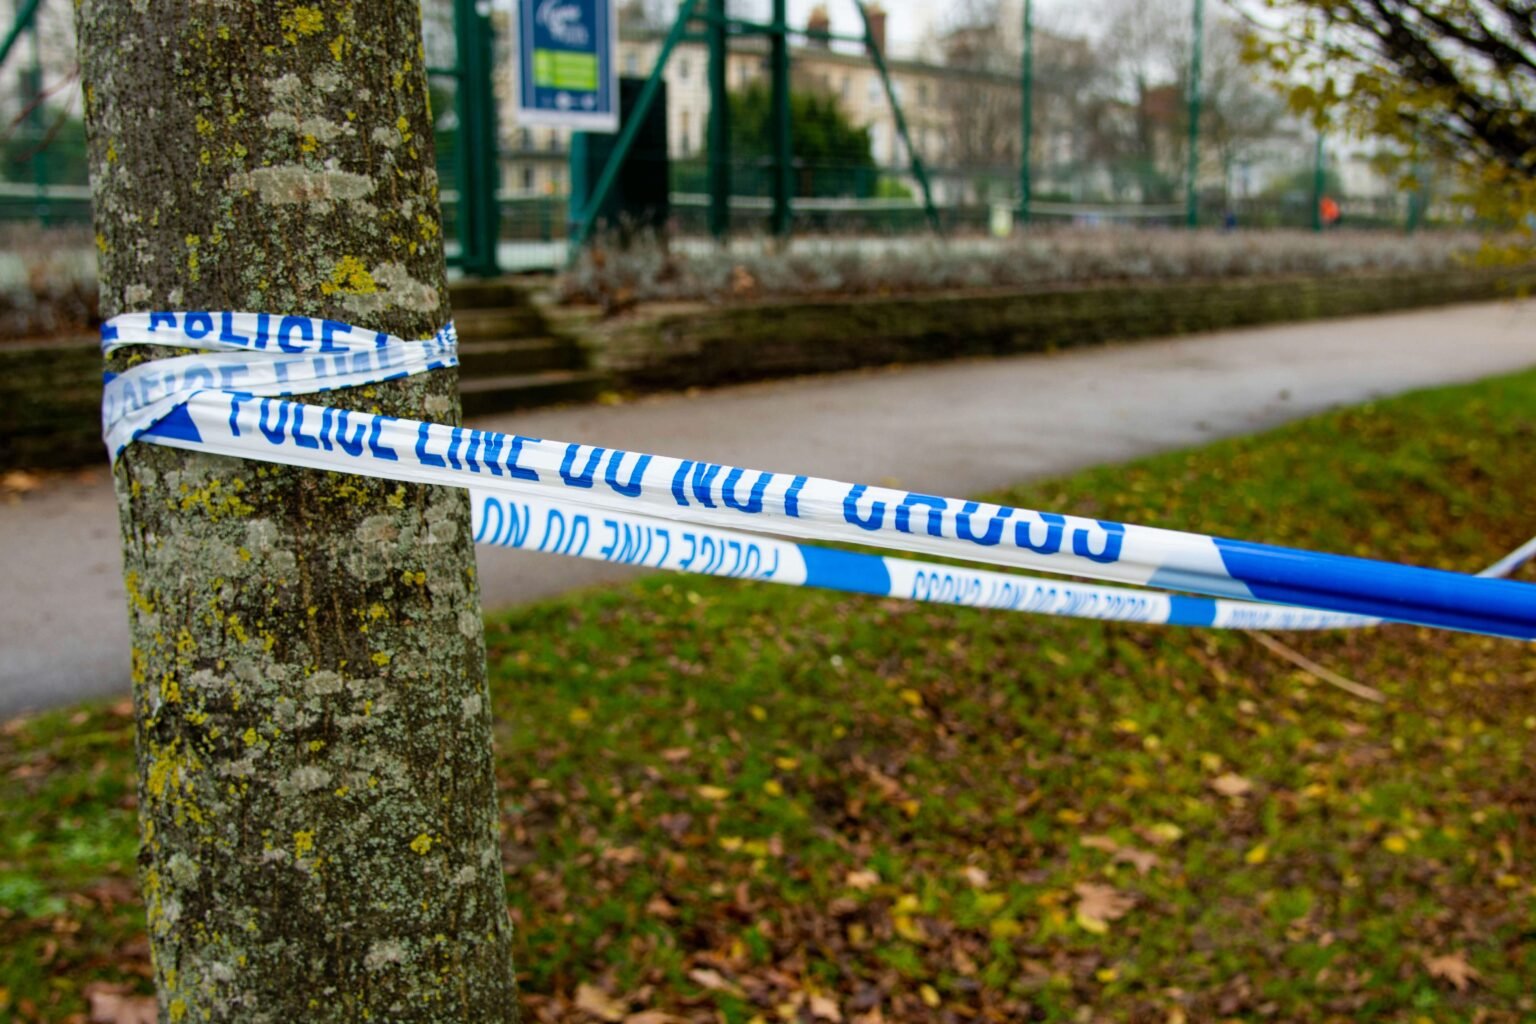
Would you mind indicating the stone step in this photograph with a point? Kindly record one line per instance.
(498, 293)
(499, 324)
(488, 395)
(478, 359)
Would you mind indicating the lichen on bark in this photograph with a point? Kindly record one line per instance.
(317, 798)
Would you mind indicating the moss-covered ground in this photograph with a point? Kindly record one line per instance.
(727, 802)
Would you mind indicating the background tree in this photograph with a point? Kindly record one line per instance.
(316, 795)
(1453, 80)
(832, 154)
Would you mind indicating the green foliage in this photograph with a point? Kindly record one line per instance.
(832, 155)
(722, 800)
(1447, 80)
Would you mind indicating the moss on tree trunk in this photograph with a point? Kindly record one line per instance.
(316, 792)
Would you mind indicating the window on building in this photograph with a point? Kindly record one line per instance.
(684, 66)
(687, 133)
(845, 87)
(524, 138)
(922, 92)
(874, 89)
(631, 63)
(527, 179)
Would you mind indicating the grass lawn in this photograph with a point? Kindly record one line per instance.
(727, 802)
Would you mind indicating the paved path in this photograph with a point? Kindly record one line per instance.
(952, 429)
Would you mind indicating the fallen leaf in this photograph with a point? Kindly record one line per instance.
(826, 1008)
(1097, 905)
(1163, 833)
(974, 875)
(714, 981)
(862, 880)
(1232, 785)
(673, 755)
(654, 1017)
(20, 482)
(593, 1000)
(659, 907)
(1452, 967)
(714, 793)
(110, 1004)
(622, 854)
(1142, 860)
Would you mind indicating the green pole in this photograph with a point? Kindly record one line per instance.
(24, 16)
(1319, 182)
(478, 220)
(1191, 191)
(719, 125)
(783, 144)
(35, 122)
(918, 170)
(1027, 132)
(632, 123)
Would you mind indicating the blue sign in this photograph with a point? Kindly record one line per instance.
(566, 69)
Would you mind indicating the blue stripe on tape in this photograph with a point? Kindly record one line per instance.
(845, 570)
(1191, 611)
(176, 425)
(1436, 597)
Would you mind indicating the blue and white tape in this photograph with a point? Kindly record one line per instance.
(208, 415)
(561, 528)
(253, 353)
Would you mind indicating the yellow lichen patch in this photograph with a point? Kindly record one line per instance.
(336, 47)
(301, 21)
(403, 126)
(303, 842)
(381, 659)
(350, 276)
(203, 125)
(421, 844)
(250, 738)
(101, 243)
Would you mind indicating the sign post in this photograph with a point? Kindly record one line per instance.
(566, 70)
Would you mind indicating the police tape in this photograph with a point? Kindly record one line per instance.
(189, 411)
(561, 528)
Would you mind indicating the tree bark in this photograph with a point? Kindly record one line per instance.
(317, 799)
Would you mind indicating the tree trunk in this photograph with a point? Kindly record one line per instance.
(317, 798)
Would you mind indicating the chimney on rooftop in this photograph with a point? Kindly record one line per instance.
(877, 25)
(818, 27)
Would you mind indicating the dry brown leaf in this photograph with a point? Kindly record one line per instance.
(1097, 905)
(1452, 967)
(978, 878)
(826, 1008)
(1104, 843)
(622, 854)
(110, 1004)
(20, 482)
(654, 1017)
(593, 1000)
(1232, 785)
(862, 880)
(1142, 860)
(714, 981)
(675, 754)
